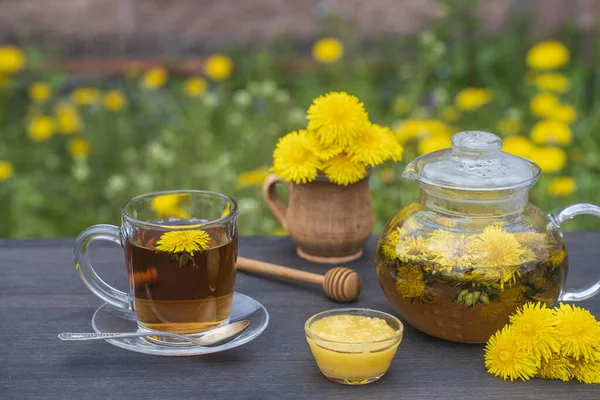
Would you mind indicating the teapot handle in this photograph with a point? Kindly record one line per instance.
(566, 214)
(275, 203)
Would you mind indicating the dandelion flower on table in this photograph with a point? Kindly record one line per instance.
(505, 359)
(294, 160)
(434, 143)
(551, 132)
(556, 367)
(114, 100)
(154, 78)
(40, 128)
(509, 126)
(11, 59)
(169, 206)
(473, 98)
(337, 118)
(341, 170)
(218, 67)
(327, 50)
(195, 87)
(548, 55)
(410, 281)
(518, 146)
(533, 329)
(78, 148)
(578, 332)
(543, 105)
(67, 118)
(187, 241)
(550, 158)
(587, 370)
(564, 113)
(6, 170)
(374, 146)
(84, 96)
(40, 92)
(255, 177)
(562, 186)
(553, 82)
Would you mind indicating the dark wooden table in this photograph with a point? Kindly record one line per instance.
(41, 295)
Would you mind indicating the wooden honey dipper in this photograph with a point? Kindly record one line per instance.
(339, 283)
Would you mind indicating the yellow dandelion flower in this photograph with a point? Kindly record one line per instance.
(169, 206)
(114, 100)
(67, 117)
(564, 113)
(401, 105)
(578, 331)
(518, 146)
(341, 170)
(411, 248)
(327, 50)
(293, 159)
(323, 152)
(218, 67)
(451, 114)
(557, 258)
(183, 241)
(556, 367)
(84, 96)
(6, 170)
(587, 370)
(550, 158)
(374, 146)
(337, 118)
(11, 59)
(388, 246)
(553, 82)
(536, 241)
(410, 281)
(154, 78)
(449, 250)
(434, 143)
(533, 329)
(473, 98)
(78, 148)
(543, 105)
(509, 126)
(40, 128)
(195, 87)
(562, 186)
(40, 92)
(505, 359)
(548, 55)
(551, 132)
(255, 177)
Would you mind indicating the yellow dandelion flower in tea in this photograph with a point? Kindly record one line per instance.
(374, 146)
(40, 92)
(518, 146)
(552, 82)
(323, 152)
(67, 117)
(505, 359)
(562, 186)
(195, 87)
(327, 50)
(549, 158)
(218, 67)
(168, 206)
(6, 170)
(449, 250)
(557, 258)
(253, 178)
(78, 148)
(40, 128)
(548, 55)
(564, 113)
(410, 281)
(411, 248)
(536, 241)
(473, 98)
(533, 329)
(551, 132)
(578, 331)
(114, 100)
(509, 126)
(154, 78)
(388, 246)
(12, 59)
(337, 118)
(587, 370)
(543, 105)
(451, 114)
(84, 96)
(556, 367)
(341, 170)
(434, 143)
(187, 241)
(294, 160)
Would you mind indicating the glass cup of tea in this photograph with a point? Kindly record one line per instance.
(180, 251)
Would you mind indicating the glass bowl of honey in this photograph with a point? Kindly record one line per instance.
(353, 346)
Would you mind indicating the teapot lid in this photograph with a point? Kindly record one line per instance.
(475, 162)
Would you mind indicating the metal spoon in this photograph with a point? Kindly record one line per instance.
(216, 336)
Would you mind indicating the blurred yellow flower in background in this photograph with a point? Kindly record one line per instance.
(195, 87)
(327, 50)
(84, 96)
(154, 78)
(11, 59)
(509, 126)
(518, 146)
(218, 67)
(548, 55)
(169, 205)
(550, 158)
(471, 99)
(114, 100)
(562, 186)
(6, 170)
(564, 113)
(68, 121)
(40, 128)
(78, 148)
(451, 114)
(255, 177)
(401, 105)
(551, 132)
(279, 232)
(40, 92)
(543, 104)
(414, 129)
(553, 82)
(434, 143)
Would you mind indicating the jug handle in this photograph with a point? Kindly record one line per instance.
(562, 216)
(276, 205)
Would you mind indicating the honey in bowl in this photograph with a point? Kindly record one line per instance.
(353, 346)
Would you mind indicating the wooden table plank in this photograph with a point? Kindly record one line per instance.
(41, 295)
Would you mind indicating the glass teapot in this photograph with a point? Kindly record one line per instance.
(458, 261)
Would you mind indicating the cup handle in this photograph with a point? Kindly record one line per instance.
(562, 216)
(100, 288)
(277, 206)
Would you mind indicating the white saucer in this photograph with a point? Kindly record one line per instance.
(111, 319)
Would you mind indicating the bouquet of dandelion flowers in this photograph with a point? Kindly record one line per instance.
(339, 142)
